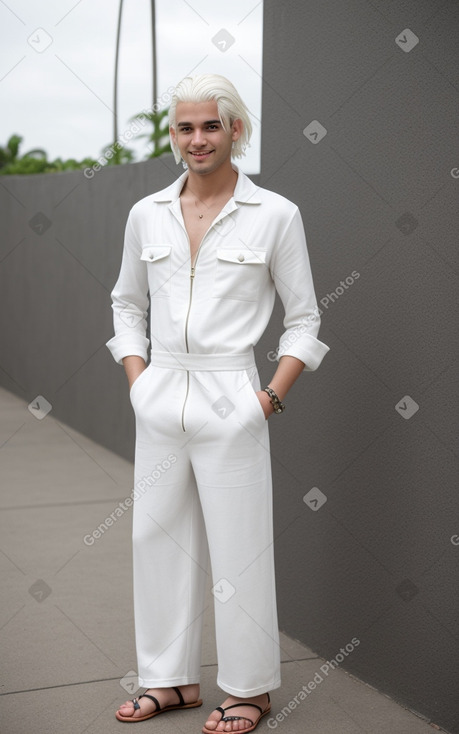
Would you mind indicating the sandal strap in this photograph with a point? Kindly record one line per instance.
(152, 698)
(178, 692)
(235, 705)
(237, 718)
(135, 701)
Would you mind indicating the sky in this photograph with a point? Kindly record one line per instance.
(57, 66)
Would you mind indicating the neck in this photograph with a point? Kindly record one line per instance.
(211, 185)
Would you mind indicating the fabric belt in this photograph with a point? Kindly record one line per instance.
(208, 362)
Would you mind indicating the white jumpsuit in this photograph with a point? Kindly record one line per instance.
(202, 463)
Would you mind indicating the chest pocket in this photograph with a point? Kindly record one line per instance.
(158, 259)
(239, 274)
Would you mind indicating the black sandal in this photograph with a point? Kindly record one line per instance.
(238, 718)
(158, 710)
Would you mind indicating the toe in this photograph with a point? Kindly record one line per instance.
(215, 723)
(241, 724)
(213, 720)
(125, 708)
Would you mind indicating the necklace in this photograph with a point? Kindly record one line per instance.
(201, 216)
(209, 207)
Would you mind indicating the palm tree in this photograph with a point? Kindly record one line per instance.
(9, 154)
(159, 136)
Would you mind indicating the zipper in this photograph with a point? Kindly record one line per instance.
(193, 270)
(192, 274)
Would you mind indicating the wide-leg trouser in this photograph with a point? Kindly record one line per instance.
(203, 489)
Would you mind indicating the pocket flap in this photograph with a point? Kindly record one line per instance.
(242, 257)
(150, 253)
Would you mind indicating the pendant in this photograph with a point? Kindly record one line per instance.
(201, 216)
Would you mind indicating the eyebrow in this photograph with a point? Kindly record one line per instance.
(190, 124)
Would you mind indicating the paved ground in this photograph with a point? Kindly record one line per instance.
(66, 616)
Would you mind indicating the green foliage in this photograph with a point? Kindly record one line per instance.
(34, 161)
(9, 153)
(115, 154)
(9, 156)
(119, 155)
(158, 138)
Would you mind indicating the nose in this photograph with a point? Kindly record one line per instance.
(198, 138)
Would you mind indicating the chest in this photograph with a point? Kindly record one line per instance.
(195, 228)
(198, 219)
(234, 253)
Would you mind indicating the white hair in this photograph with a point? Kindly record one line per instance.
(206, 88)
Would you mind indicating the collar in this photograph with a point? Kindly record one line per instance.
(245, 191)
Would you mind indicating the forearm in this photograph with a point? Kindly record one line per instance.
(133, 366)
(288, 370)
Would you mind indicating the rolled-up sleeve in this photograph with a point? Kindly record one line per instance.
(130, 302)
(291, 272)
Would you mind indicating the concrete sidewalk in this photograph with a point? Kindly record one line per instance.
(66, 618)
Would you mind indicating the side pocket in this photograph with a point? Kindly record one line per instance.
(252, 390)
(137, 381)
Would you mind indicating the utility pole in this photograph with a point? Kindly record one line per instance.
(155, 78)
(115, 89)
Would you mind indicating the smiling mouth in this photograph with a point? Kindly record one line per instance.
(200, 153)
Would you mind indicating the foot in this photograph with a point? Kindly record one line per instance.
(249, 714)
(166, 697)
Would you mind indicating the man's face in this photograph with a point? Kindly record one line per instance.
(200, 137)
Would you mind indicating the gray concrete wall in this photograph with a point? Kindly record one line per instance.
(375, 560)
(60, 256)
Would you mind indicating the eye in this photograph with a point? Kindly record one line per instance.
(212, 127)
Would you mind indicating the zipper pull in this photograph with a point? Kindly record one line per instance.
(192, 273)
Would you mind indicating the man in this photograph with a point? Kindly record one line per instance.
(208, 254)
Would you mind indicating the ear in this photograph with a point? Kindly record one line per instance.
(236, 129)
